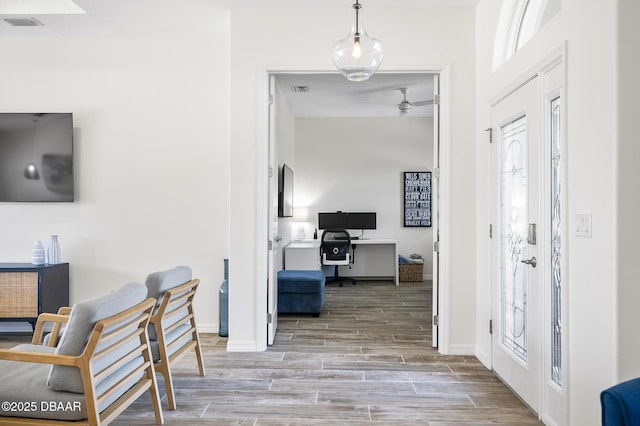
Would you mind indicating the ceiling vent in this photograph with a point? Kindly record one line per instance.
(23, 22)
(300, 89)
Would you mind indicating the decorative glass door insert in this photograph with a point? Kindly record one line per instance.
(514, 221)
(556, 246)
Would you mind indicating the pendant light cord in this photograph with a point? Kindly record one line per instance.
(357, 7)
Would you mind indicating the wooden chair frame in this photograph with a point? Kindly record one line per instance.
(109, 338)
(174, 302)
(58, 321)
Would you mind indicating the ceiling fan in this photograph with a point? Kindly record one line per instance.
(405, 106)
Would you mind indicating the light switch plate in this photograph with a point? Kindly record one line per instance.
(583, 225)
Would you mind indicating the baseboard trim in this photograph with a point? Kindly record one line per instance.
(483, 358)
(461, 350)
(213, 328)
(243, 346)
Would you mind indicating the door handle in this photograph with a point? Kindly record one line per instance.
(533, 261)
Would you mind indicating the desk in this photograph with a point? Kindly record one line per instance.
(373, 258)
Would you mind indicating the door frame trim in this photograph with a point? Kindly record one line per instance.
(444, 206)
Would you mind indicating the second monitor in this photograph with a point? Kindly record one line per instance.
(347, 220)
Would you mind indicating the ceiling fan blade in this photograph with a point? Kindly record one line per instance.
(422, 103)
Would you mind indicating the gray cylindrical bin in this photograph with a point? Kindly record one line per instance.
(224, 302)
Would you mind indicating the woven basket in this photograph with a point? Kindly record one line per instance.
(411, 272)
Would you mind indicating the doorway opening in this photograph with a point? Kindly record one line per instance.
(348, 146)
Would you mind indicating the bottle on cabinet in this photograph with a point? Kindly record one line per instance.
(54, 251)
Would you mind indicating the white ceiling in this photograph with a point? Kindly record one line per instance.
(114, 18)
(332, 95)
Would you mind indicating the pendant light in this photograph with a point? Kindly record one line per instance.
(357, 56)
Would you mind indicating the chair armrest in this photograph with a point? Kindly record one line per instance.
(44, 318)
(64, 310)
(39, 358)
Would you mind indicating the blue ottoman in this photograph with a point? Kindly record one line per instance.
(300, 292)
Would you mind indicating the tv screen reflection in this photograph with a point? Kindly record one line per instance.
(36, 157)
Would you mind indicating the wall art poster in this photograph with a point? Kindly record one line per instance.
(417, 199)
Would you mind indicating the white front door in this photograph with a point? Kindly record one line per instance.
(516, 290)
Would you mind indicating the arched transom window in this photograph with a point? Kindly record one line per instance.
(519, 21)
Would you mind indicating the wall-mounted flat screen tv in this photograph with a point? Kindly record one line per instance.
(285, 192)
(36, 157)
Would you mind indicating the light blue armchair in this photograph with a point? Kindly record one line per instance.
(101, 365)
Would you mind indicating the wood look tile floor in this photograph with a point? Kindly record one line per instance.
(366, 359)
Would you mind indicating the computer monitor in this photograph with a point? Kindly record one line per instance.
(361, 220)
(335, 220)
(347, 220)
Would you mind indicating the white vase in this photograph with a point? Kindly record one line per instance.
(54, 250)
(37, 254)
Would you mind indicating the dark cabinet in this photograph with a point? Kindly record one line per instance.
(27, 290)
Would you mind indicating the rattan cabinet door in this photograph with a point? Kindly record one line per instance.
(18, 294)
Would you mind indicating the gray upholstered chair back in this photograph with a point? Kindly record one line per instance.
(172, 327)
(84, 315)
(159, 282)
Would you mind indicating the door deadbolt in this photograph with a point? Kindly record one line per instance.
(533, 261)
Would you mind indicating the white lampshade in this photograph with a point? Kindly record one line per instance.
(300, 214)
(357, 56)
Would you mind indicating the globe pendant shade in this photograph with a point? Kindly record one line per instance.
(357, 56)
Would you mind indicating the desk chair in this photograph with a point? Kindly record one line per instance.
(336, 250)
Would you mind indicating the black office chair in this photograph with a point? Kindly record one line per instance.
(336, 250)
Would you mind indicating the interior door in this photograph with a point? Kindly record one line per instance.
(435, 193)
(274, 239)
(516, 290)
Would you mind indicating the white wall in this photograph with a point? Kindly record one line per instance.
(264, 36)
(594, 185)
(151, 156)
(356, 164)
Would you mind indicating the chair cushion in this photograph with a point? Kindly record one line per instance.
(171, 337)
(26, 382)
(158, 283)
(84, 315)
(294, 281)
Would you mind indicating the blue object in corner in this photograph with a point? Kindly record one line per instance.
(621, 404)
(224, 303)
(224, 309)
